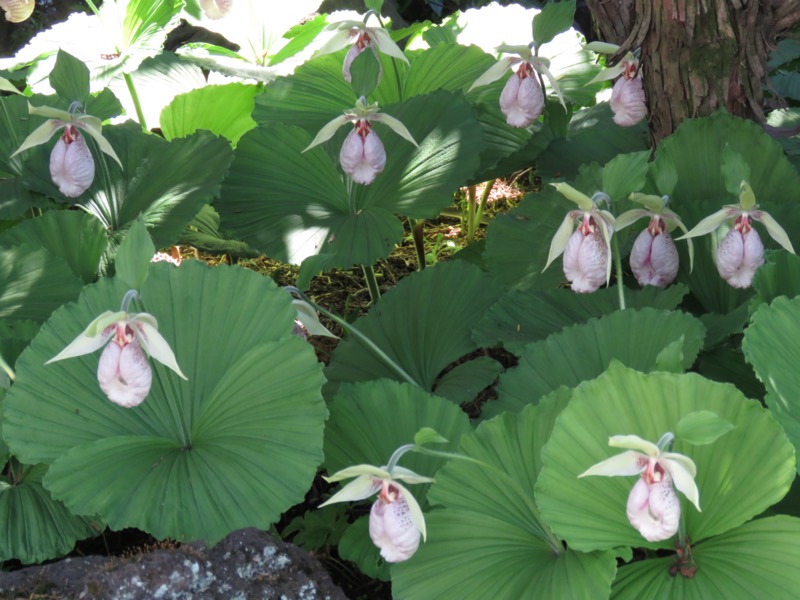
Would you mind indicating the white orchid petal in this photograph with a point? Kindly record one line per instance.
(560, 239)
(417, 517)
(602, 47)
(553, 82)
(396, 126)
(570, 193)
(409, 476)
(154, 344)
(356, 471)
(623, 464)
(51, 113)
(90, 339)
(608, 74)
(383, 41)
(93, 127)
(327, 132)
(711, 222)
(683, 476)
(40, 135)
(747, 199)
(634, 442)
(309, 318)
(630, 217)
(775, 231)
(493, 73)
(360, 488)
(337, 41)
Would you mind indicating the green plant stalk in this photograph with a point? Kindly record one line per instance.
(387, 360)
(618, 268)
(417, 230)
(372, 283)
(471, 210)
(482, 206)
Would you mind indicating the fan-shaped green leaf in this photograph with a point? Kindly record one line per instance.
(780, 276)
(33, 283)
(422, 325)
(222, 109)
(739, 475)
(756, 560)
(771, 347)
(520, 317)
(74, 236)
(35, 526)
(463, 383)
(70, 78)
(489, 540)
(582, 352)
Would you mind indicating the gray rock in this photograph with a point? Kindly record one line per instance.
(246, 565)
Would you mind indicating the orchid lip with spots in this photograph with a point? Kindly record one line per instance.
(653, 507)
(123, 372)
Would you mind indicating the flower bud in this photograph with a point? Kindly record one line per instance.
(71, 163)
(17, 10)
(654, 258)
(362, 156)
(124, 373)
(586, 258)
(740, 253)
(522, 100)
(654, 509)
(391, 527)
(627, 99)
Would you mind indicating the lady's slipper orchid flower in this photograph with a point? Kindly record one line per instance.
(587, 249)
(376, 39)
(741, 252)
(307, 321)
(17, 10)
(396, 521)
(123, 371)
(522, 99)
(216, 9)
(362, 155)
(71, 162)
(654, 258)
(627, 95)
(653, 508)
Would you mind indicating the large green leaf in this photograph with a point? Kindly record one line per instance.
(271, 203)
(33, 283)
(74, 236)
(780, 276)
(166, 182)
(520, 317)
(489, 540)
(35, 526)
(771, 347)
(234, 446)
(584, 351)
(756, 560)
(222, 109)
(531, 226)
(739, 475)
(422, 325)
(695, 152)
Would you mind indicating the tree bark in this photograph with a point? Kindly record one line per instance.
(697, 55)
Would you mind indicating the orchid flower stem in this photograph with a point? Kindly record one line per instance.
(93, 7)
(471, 212)
(372, 283)
(482, 206)
(136, 103)
(397, 454)
(417, 230)
(618, 267)
(129, 296)
(360, 337)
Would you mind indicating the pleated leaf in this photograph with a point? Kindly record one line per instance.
(488, 541)
(780, 276)
(738, 476)
(582, 352)
(33, 283)
(234, 446)
(221, 109)
(520, 317)
(771, 347)
(35, 526)
(757, 560)
(422, 325)
(74, 236)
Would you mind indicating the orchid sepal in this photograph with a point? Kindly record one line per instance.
(396, 126)
(747, 199)
(361, 488)
(542, 68)
(407, 475)
(561, 238)
(711, 222)
(90, 339)
(619, 465)
(776, 232)
(417, 517)
(493, 73)
(570, 193)
(386, 45)
(630, 217)
(607, 74)
(602, 47)
(155, 345)
(357, 471)
(328, 131)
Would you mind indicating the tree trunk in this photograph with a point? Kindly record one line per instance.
(697, 55)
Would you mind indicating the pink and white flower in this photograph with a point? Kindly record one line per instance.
(627, 96)
(216, 9)
(654, 258)
(522, 100)
(71, 163)
(17, 10)
(362, 156)
(396, 522)
(740, 253)
(653, 507)
(123, 372)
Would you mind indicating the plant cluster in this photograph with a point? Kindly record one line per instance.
(310, 144)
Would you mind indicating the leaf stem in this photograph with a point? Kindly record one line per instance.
(372, 283)
(387, 360)
(136, 103)
(618, 268)
(417, 229)
(481, 207)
